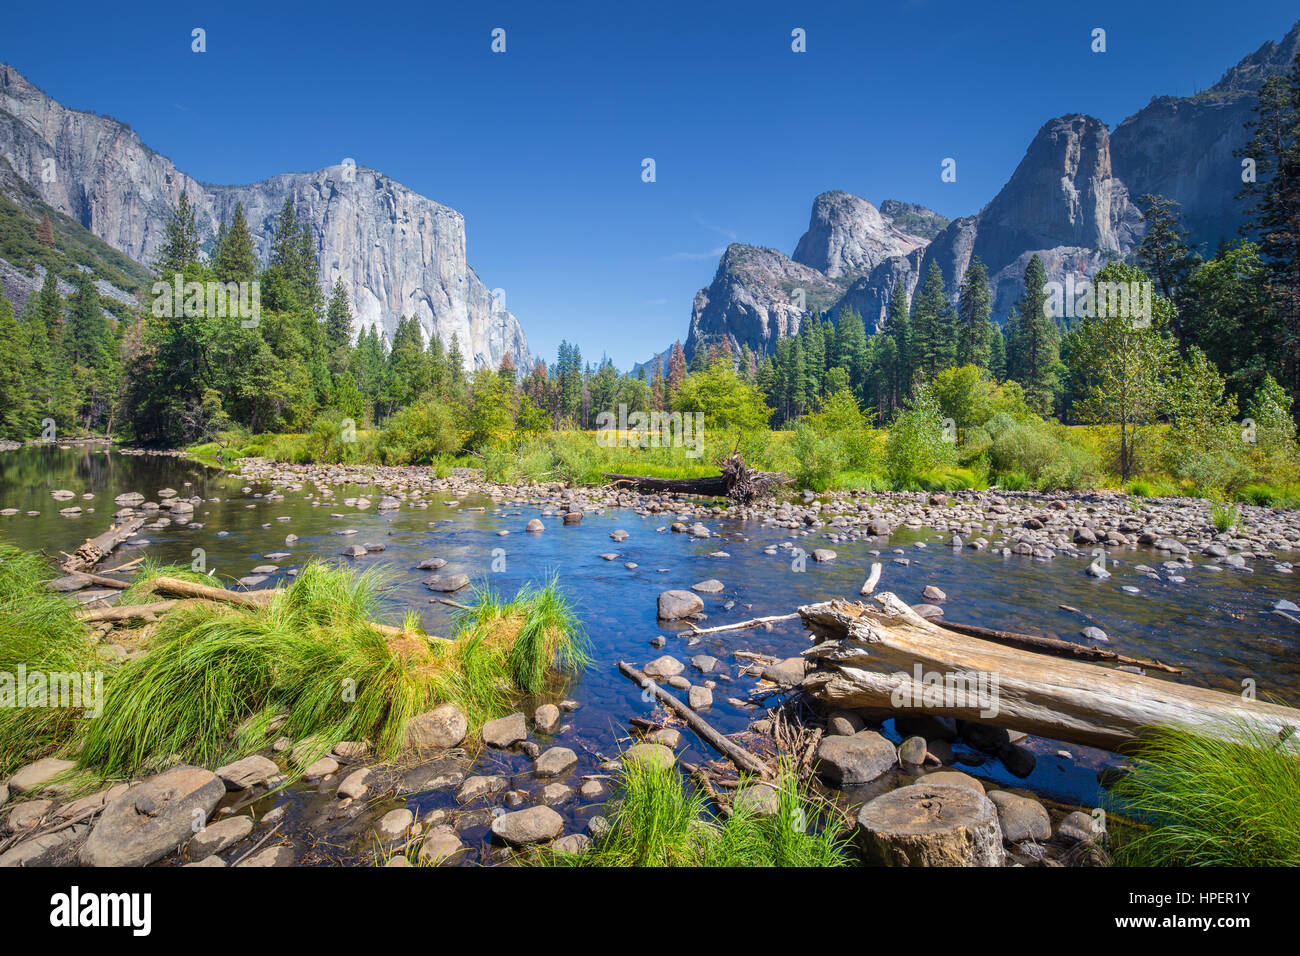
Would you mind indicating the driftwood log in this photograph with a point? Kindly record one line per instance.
(1050, 645)
(738, 482)
(893, 659)
(745, 761)
(195, 592)
(101, 546)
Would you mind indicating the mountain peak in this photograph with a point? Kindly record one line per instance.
(848, 236)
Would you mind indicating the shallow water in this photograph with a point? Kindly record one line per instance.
(1216, 625)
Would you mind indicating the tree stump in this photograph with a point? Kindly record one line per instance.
(931, 825)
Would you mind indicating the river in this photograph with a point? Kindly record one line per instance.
(1217, 626)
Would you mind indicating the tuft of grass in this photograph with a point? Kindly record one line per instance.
(215, 678)
(655, 820)
(1225, 517)
(38, 630)
(1210, 802)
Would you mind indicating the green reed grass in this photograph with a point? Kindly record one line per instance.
(38, 628)
(214, 679)
(1203, 801)
(657, 820)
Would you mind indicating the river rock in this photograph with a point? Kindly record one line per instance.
(247, 772)
(663, 667)
(849, 761)
(440, 845)
(1021, 818)
(394, 824)
(219, 836)
(354, 785)
(505, 731)
(34, 777)
(653, 754)
(320, 769)
(954, 778)
(273, 856)
(787, 672)
(1080, 827)
(534, 526)
(844, 723)
(446, 583)
(912, 751)
(152, 818)
(555, 761)
(534, 825)
(479, 786)
(573, 843)
(761, 798)
(675, 605)
(546, 718)
(711, 586)
(439, 728)
(27, 815)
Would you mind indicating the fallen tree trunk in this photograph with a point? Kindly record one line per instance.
(738, 482)
(255, 600)
(128, 612)
(742, 758)
(742, 625)
(101, 546)
(1050, 645)
(894, 659)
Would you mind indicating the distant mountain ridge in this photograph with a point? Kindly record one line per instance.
(1071, 201)
(397, 252)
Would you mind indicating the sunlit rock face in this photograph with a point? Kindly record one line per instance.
(397, 252)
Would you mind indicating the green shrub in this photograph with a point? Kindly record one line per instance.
(820, 458)
(1014, 481)
(418, 434)
(1042, 453)
(918, 441)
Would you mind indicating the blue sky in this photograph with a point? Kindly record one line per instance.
(541, 147)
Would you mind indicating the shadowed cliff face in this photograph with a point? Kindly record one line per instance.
(397, 252)
(754, 300)
(1182, 147)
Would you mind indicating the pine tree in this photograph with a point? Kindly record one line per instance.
(338, 318)
(1163, 252)
(974, 308)
(676, 368)
(16, 409)
(933, 347)
(45, 231)
(1035, 357)
(898, 325)
(1274, 215)
(180, 240)
(235, 255)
